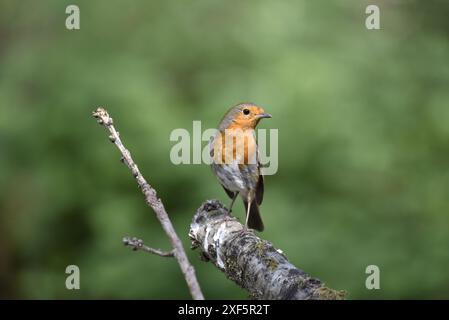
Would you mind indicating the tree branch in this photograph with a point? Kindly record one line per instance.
(137, 244)
(251, 262)
(155, 203)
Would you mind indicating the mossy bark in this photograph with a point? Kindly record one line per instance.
(253, 263)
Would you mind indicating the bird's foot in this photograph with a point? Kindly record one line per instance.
(243, 231)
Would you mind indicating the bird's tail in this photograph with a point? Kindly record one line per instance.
(253, 220)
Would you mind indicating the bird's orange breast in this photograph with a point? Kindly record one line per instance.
(235, 145)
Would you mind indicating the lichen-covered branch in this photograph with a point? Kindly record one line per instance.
(154, 202)
(251, 262)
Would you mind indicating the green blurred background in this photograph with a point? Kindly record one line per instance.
(363, 140)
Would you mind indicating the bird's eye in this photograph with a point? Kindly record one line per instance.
(246, 112)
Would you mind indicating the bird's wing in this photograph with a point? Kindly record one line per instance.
(259, 190)
(230, 193)
(260, 185)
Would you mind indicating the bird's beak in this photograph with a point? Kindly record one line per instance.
(264, 115)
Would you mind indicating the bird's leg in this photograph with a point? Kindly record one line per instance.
(232, 202)
(245, 226)
(247, 213)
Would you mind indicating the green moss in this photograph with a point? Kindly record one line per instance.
(259, 249)
(325, 293)
(232, 270)
(271, 263)
(302, 282)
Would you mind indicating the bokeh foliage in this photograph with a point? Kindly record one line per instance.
(363, 139)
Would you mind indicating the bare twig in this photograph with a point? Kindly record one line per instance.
(137, 244)
(155, 203)
(254, 264)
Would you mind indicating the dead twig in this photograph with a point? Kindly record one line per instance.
(155, 203)
(137, 244)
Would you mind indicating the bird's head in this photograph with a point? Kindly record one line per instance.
(243, 116)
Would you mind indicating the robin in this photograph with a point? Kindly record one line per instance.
(235, 159)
